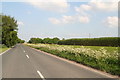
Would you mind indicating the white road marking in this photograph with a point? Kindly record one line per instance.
(27, 56)
(40, 75)
(24, 51)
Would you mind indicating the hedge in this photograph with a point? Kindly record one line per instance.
(104, 41)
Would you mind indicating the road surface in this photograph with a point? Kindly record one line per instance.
(25, 62)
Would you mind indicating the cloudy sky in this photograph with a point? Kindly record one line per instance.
(64, 19)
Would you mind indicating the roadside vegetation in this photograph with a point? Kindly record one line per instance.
(8, 31)
(103, 41)
(99, 57)
(3, 48)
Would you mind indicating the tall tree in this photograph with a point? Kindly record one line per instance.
(9, 31)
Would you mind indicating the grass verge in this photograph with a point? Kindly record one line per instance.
(3, 48)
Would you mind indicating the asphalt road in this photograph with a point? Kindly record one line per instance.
(25, 62)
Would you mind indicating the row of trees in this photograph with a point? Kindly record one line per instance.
(45, 40)
(105, 41)
(9, 28)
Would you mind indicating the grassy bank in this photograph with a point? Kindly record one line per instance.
(102, 58)
(3, 48)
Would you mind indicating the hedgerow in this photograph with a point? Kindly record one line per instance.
(106, 41)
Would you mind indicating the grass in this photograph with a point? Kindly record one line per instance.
(99, 57)
(3, 48)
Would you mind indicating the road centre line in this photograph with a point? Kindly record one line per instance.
(27, 56)
(40, 75)
(22, 49)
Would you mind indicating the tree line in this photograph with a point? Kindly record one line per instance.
(9, 28)
(45, 40)
(104, 41)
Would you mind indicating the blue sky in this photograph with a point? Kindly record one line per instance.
(64, 19)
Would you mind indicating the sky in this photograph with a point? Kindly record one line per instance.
(64, 19)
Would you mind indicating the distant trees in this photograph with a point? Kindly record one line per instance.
(45, 40)
(9, 31)
(105, 41)
(35, 40)
(20, 41)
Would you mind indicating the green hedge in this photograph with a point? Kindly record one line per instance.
(105, 41)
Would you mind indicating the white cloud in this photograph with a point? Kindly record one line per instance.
(54, 21)
(70, 19)
(84, 19)
(97, 5)
(20, 23)
(67, 19)
(104, 6)
(51, 5)
(111, 21)
(83, 8)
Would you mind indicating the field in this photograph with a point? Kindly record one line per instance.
(102, 58)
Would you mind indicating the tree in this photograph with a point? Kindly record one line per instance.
(46, 40)
(9, 30)
(20, 41)
(55, 40)
(35, 40)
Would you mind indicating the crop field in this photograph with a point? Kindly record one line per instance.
(99, 57)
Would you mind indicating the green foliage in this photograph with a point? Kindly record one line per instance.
(55, 40)
(3, 48)
(20, 41)
(106, 41)
(35, 40)
(45, 40)
(9, 29)
(51, 41)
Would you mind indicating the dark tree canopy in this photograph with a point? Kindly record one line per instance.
(45, 40)
(35, 40)
(9, 30)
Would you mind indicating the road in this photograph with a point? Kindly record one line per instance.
(25, 62)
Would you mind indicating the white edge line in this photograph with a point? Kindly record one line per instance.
(40, 75)
(5, 51)
(27, 56)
